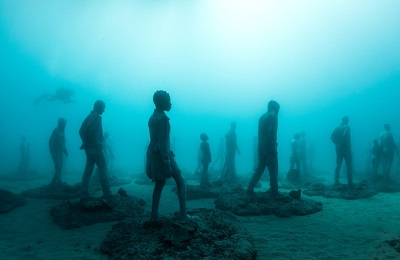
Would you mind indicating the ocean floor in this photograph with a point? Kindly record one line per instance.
(344, 229)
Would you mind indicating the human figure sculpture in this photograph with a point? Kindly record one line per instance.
(58, 149)
(267, 149)
(342, 140)
(91, 133)
(160, 163)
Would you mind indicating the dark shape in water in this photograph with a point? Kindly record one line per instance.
(62, 94)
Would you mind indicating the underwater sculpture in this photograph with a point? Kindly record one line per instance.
(294, 156)
(205, 160)
(267, 149)
(389, 148)
(342, 140)
(57, 149)
(62, 94)
(376, 154)
(91, 133)
(160, 163)
(293, 175)
(25, 153)
(229, 168)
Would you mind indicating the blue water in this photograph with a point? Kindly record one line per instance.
(221, 61)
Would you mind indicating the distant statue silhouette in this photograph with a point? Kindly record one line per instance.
(376, 154)
(57, 149)
(294, 156)
(62, 94)
(229, 169)
(205, 160)
(24, 149)
(389, 148)
(342, 140)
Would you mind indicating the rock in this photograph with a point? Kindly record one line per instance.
(359, 191)
(262, 203)
(295, 194)
(395, 243)
(84, 212)
(10, 201)
(213, 235)
(122, 192)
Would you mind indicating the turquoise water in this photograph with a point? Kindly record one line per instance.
(221, 61)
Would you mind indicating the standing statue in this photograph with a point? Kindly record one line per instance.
(267, 149)
(342, 140)
(24, 149)
(205, 160)
(91, 133)
(161, 163)
(57, 149)
(389, 148)
(229, 169)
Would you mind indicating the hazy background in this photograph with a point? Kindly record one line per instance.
(220, 60)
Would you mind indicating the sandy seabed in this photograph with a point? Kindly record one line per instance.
(344, 229)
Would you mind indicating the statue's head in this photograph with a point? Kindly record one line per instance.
(345, 120)
(162, 100)
(273, 106)
(386, 126)
(204, 137)
(61, 123)
(99, 107)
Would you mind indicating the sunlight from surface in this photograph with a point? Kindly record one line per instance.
(249, 51)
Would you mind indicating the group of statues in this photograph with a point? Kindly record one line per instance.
(161, 163)
(94, 143)
(382, 153)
